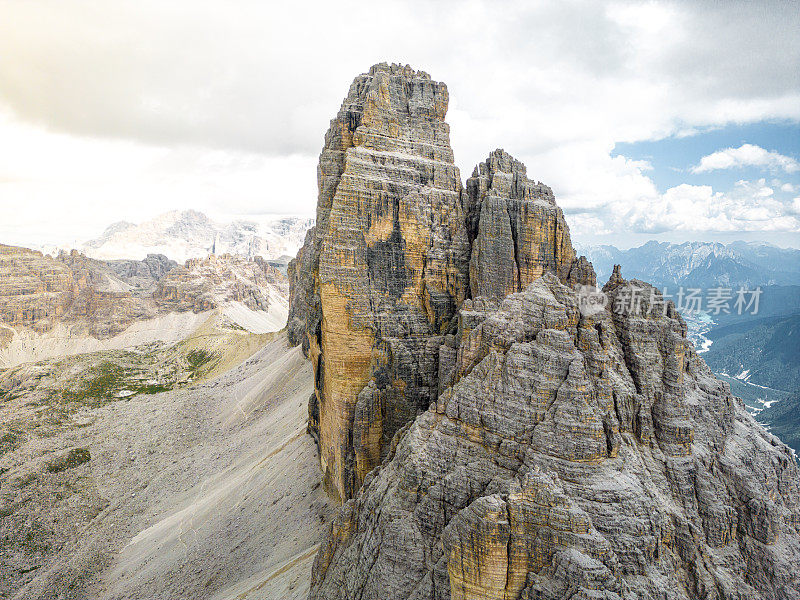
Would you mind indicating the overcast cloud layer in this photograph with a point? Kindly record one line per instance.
(113, 110)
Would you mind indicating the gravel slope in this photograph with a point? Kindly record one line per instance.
(205, 492)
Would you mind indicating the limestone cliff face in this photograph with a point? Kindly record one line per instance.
(385, 269)
(305, 309)
(572, 456)
(498, 438)
(34, 289)
(205, 283)
(102, 299)
(516, 230)
(37, 291)
(398, 246)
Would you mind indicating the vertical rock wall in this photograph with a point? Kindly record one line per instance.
(517, 232)
(572, 456)
(489, 438)
(398, 246)
(387, 266)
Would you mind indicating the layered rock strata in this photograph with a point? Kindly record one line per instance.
(34, 289)
(102, 299)
(572, 456)
(203, 284)
(498, 436)
(516, 230)
(385, 269)
(397, 241)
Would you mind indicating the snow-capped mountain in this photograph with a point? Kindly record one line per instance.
(181, 235)
(703, 264)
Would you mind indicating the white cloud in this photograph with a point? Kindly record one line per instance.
(789, 188)
(746, 155)
(62, 189)
(748, 206)
(130, 106)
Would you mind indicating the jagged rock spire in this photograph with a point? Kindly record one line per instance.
(385, 269)
(517, 231)
(399, 245)
(529, 449)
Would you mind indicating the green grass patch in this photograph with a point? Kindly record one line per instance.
(105, 380)
(200, 360)
(154, 388)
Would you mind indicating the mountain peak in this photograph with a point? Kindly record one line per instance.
(487, 435)
(184, 234)
(400, 244)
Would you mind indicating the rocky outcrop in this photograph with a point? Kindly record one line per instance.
(516, 230)
(102, 299)
(387, 263)
(304, 308)
(38, 291)
(203, 284)
(34, 289)
(572, 456)
(398, 246)
(143, 274)
(499, 435)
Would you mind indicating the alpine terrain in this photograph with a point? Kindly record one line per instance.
(433, 400)
(490, 433)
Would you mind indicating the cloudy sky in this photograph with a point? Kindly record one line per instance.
(667, 120)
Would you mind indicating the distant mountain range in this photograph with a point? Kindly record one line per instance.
(700, 264)
(757, 354)
(181, 235)
(68, 304)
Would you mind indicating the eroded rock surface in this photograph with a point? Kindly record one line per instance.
(34, 289)
(387, 263)
(101, 299)
(398, 246)
(498, 437)
(205, 283)
(516, 230)
(572, 456)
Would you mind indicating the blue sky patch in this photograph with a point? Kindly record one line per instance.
(673, 158)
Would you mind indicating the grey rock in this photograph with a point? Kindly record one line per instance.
(489, 437)
(572, 456)
(399, 245)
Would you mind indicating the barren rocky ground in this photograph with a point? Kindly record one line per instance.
(110, 489)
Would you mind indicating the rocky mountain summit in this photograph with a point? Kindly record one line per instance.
(38, 291)
(398, 244)
(489, 436)
(192, 234)
(202, 284)
(48, 304)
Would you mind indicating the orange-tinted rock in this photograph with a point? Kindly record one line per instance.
(552, 466)
(385, 269)
(35, 290)
(397, 248)
(570, 450)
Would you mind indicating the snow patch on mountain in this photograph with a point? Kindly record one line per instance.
(181, 235)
